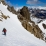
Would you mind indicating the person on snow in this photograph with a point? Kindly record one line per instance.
(4, 30)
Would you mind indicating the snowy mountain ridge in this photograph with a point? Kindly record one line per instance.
(16, 34)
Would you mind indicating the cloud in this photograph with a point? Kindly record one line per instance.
(31, 1)
(40, 7)
(34, 2)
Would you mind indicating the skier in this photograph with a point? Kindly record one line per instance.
(4, 30)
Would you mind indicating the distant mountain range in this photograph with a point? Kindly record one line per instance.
(39, 13)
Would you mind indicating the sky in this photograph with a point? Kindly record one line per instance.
(19, 3)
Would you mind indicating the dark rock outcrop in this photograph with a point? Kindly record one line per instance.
(2, 16)
(4, 3)
(11, 9)
(44, 25)
(34, 29)
(27, 26)
(25, 12)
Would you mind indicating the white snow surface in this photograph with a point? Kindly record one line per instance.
(16, 34)
(34, 19)
(41, 27)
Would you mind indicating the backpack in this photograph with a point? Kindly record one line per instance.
(4, 30)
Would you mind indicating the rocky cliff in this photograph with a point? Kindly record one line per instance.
(11, 9)
(25, 12)
(28, 24)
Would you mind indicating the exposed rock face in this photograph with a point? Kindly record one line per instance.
(2, 16)
(4, 3)
(27, 26)
(25, 12)
(44, 26)
(38, 33)
(11, 9)
(34, 29)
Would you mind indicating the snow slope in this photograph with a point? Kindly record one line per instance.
(16, 34)
(41, 27)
